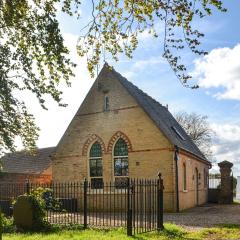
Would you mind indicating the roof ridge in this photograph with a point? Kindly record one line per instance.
(25, 162)
(26, 151)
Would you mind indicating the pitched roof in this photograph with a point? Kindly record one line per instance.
(22, 162)
(161, 117)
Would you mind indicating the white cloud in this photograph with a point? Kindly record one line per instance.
(220, 70)
(227, 132)
(146, 62)
(226, 144)
(142, 64)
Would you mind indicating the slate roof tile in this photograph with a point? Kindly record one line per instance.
(22, 162)
(161, 117)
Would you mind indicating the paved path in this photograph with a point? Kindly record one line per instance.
(199, 217)
(206, 216)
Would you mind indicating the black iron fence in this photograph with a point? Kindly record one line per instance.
(136, 204)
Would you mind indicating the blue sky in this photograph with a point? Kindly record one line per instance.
(218, 74)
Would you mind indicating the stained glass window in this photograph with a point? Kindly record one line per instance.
(96, 150)
(120, 148)
(120, 159)
(121, 166)
(95, 166)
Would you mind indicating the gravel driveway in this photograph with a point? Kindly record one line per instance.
(206, 216)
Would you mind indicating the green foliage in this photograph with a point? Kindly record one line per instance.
(39, 209)
(34, 59)
(7, 224)
(116, 26)
(171, 232)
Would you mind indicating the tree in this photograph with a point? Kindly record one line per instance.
(33, 56)
(199, 130)
(116, 25)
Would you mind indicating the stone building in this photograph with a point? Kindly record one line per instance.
(119, 132)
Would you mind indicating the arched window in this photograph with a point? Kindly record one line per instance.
(95, 166)
(106, 103)
(184, 177)
(120, 162)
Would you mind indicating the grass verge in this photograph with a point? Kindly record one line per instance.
(171, 232)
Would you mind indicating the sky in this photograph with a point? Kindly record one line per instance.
(218, 75)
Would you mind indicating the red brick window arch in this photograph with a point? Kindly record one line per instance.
(93, 138)
(114, 139)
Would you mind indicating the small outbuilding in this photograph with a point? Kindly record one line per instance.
(21, 166)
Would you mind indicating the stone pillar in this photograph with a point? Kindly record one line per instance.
(226, 196)
(238, 188)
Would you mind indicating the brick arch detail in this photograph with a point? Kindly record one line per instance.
(92, 139)
(115, 137)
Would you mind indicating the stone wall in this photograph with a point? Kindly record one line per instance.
(22, 177)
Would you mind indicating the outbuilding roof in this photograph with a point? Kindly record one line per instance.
(24, 162)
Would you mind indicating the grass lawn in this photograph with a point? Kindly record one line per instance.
(171, 231)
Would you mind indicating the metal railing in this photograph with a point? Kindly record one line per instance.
(214, 181)
(136, 204)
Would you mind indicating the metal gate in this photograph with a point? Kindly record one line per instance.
(145, 206)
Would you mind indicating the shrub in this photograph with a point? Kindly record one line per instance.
(7, 224)
(36, 220)
(50, 202)
(39, 209)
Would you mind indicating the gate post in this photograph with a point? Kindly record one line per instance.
(226, 196)
(85, 188)
(160, 203)
(129, 209)
(27, 186)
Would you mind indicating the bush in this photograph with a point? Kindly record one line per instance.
(39, 209)
(7, 224)
(50, 202)
(36, 220)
